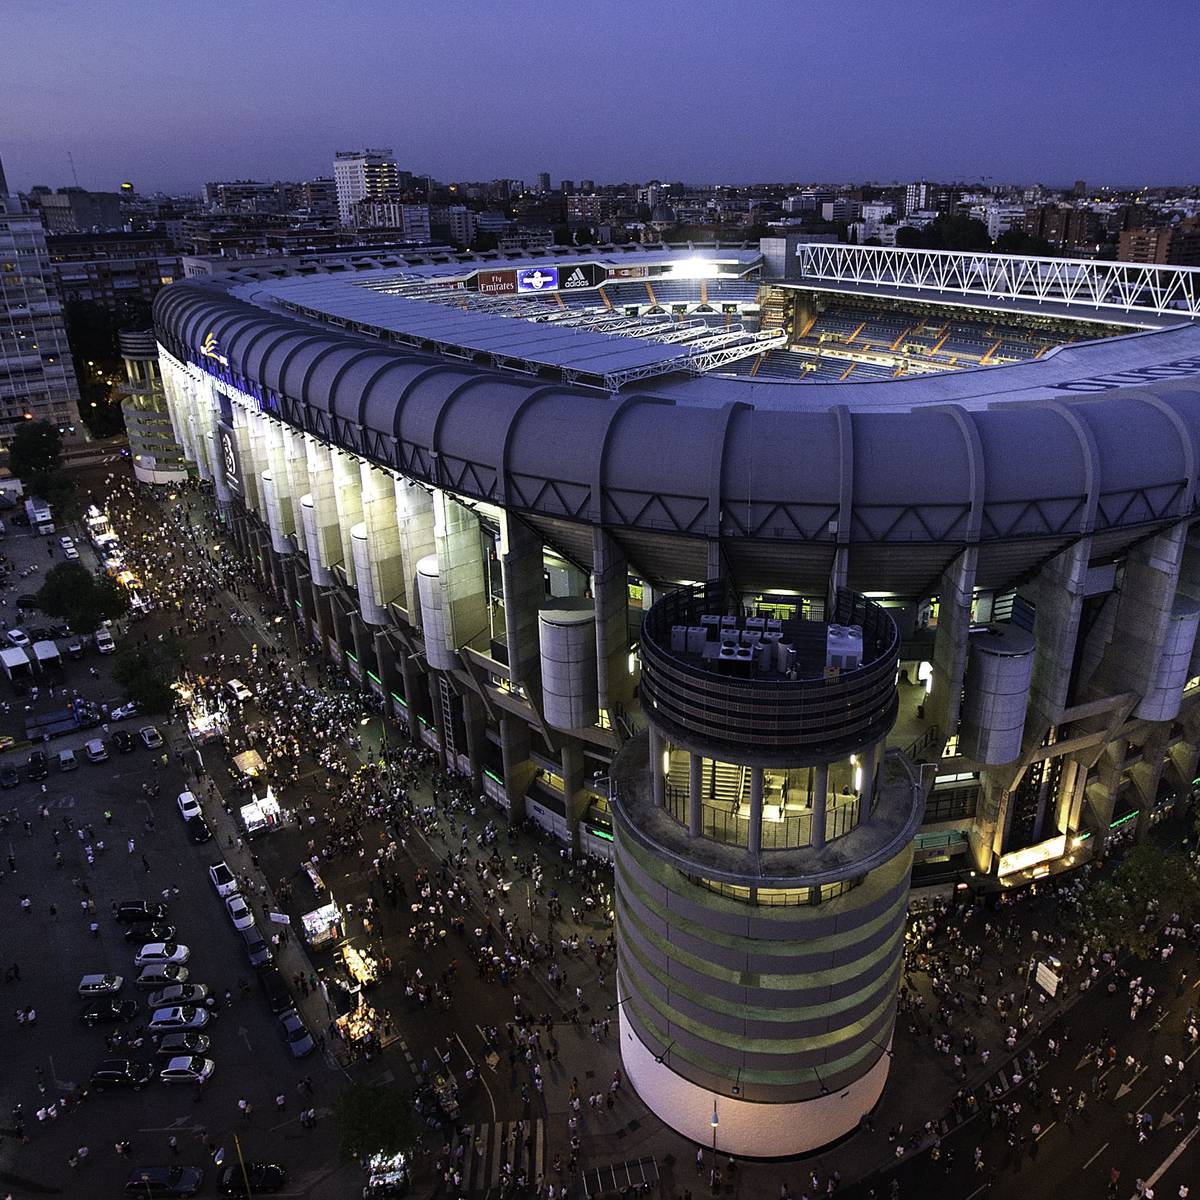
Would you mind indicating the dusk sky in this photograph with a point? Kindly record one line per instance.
(169, 93)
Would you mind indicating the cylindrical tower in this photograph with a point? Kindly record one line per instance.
(996, 694)
(154, 450)
(567, 641)
(763, 851)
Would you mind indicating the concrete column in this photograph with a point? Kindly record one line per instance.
(277, 464)
(820, 800)
(575, 799)
(474, 726)
(389, 675)
(347, 494)
(461, 571)
(695, 794)
(524, 593)
(1059, 593)
(326, 536)
(1147, 774)
(756, 809)
(385, 565)
(716, 560)
(610, 588)
(295, 461)
(414, 690)
(518, 768)
(950, 641)
(322, 612)
(341, 630)
(657, 749)
(362, 640)
(414, 516)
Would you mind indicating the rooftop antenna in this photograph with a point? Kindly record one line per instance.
(74, 176)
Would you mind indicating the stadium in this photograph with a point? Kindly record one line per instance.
(785, 575)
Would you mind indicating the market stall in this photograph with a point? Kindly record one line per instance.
(310, 869)
(261, 815)
(387, 1175)
(204, 727)
(360, 966)
(323, 925)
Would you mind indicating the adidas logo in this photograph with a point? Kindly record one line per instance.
(576, 279)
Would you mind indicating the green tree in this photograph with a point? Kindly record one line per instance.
(145, 673)
(374, 1120)
(35, 455)
(72, 592)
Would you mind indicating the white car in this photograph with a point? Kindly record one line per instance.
(187, 1068)
(239, 911)
(162, 952)
(123, 710)
(104, 642)
(18, 637)
(70, 553)
(189, 806)
(150, 736)
(95, 750)
(91, 986)
(239, 690)
(223, 879)
(168, 1020)
(67, 543)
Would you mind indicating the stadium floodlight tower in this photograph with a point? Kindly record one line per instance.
(763, 852)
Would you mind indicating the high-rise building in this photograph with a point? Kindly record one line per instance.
(76, 210)
(566, 186)
(543, 182)
(1178, 245)
(363, 175)
(154, 451)
(37, 380)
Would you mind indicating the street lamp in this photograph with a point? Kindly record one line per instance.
(659, 1058)
(714, 1122)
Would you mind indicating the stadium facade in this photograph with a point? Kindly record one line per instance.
(620, 534)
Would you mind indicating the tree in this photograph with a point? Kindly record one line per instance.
(146, 673)
(72, 592)
(374, 1120)
(35, 455)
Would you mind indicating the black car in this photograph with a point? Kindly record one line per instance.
(122, 739)
(129, 912)
(142, 932)
(121, 1073)
(257, 950)
(37, 767)
(9, 778)
(109, 1010)
(28, 600)
(197, 831)
(39, 633)
(263, 1177)
(152, 1182)
(271, 980)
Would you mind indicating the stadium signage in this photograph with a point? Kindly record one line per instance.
(537, 279)
(494, 283)
(628, 272)
(210, 349)
(1181, 368)
(229, 458)
(582, 275)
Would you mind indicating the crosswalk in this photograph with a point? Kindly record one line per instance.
(485, 1154)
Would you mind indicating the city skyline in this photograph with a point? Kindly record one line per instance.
(943, 95)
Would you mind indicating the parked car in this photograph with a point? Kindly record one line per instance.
(198, 831)
(91, 986)
(18, 637)
(178, 993)
(121, 1073)
(189, 806)
(67, 760)
(70, 553)
(223, 879)
(271, 980)
(167, 1020)
(108, 1011)
(64, 542)
(150, 736)
(295, 1033)
(123, 740)
(239, 911)
(154, 1183)
(129, 912)
(124, 711)
(36, 767)
(171, 1045)
(187, 1068)
(95, 750)
(9, 777)
(262, 1176)
(236, 688)
(75, 648)
(162, 952)
(257, 950)
(104, 642)
(158, 975)
(149, 931)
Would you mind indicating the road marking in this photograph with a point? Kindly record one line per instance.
(982, 1187)
(1094, 1157)
(1046, 1131)
(244, 1034)
(1166, 1164)
(1126, 1088)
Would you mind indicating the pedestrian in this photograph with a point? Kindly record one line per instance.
(281, 1102)
(129, 843)
(146, 864)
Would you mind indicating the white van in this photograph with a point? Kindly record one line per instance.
(104, 641)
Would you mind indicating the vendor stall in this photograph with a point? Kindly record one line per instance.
(249, 763)
(310, 869)
(323, 925)
(387, 1175)
(204, 727)
(361, 966)
(262, 814)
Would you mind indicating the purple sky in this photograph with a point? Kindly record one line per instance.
(169, 93)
